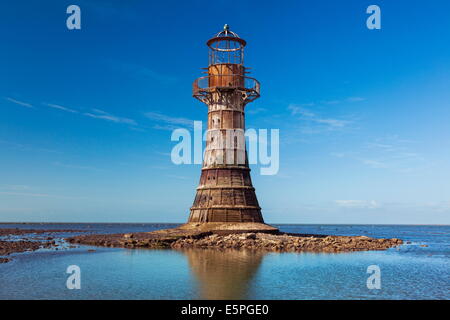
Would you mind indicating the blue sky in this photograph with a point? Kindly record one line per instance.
(86, 115)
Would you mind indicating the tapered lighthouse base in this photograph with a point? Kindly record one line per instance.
(229, 227)
(226, 194)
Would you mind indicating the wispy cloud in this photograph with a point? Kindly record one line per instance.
(255, 110)
(396, 206)
(309, 116)
(349, 99)
(335, 123)
(56, 106)
(14, 187)
(39, 195)
(339, 154)
(23, 147)
(375, 163)
(299, 109)
(140, 71)
(389, 152)
(95, 114)
(20, 103)
(100, 114)
(358, 204)
(355, 99)
(441, 206)
(166, 154)
(332, 102)
(177, 177)
(17, 210)
(28, 191)
(392, 152)
(71, 166)
(169, 123)
(25, 194)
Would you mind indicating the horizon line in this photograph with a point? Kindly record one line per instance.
(285, 223)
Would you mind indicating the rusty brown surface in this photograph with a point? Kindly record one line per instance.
(225, 192)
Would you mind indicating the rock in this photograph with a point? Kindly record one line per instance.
(4, 260)
(282, 242)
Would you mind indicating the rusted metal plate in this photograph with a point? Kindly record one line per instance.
(225, 192)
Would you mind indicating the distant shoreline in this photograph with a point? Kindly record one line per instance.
(272, 223)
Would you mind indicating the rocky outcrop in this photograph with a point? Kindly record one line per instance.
(282, 242)
(211, 236)
(15, 240)
(155, 239)
(8, 247)
(288, 243)
(17, 231)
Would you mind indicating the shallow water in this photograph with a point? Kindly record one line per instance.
(408, 272)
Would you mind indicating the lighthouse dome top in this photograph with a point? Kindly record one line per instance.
(226, 32)
(226, 40)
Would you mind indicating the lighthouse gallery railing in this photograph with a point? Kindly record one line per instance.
(203, 86)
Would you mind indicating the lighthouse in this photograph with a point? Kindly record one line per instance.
(225, 192)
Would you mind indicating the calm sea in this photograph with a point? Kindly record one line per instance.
(420, 269)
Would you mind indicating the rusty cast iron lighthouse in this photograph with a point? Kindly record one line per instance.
(225, 192)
